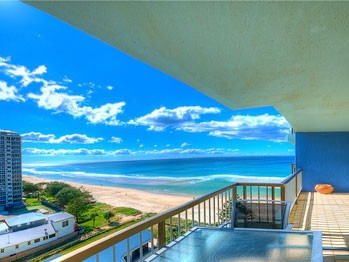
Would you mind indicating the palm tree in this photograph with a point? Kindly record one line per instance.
(93, 217)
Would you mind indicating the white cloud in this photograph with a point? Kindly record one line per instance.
(210, 151)
(105, 114)
(184, 144)
(8, 93)
(163, 151)
(67, 80)
(125, 152)
(3, 61)
(122, 152)
(37, 137)
(110, 87)
(162, 118)
(67, 139)
(53, 97)
(80, 151)
(27, 76)
(141, 145)
(115, 139)
(261, 127)
(233, 150)
(39, 70)
(78, 139)
(197, 151)
(60, 102)
(245, 127)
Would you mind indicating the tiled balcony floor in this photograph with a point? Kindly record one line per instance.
(328, 213)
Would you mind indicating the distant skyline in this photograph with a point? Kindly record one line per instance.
(74, 98)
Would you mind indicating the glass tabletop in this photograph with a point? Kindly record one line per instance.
(240, 245)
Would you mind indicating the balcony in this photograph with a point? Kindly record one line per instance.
(211, 210)
(328, 213)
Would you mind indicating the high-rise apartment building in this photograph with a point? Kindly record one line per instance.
(10, 170)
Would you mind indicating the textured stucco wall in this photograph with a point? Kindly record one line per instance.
(289, 54)
(324, 158)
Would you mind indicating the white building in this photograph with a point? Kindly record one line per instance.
(31, 230)
(3, 228)
(63, 223)
(10, 170)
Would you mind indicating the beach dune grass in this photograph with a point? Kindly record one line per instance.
(100, 209)
(128, 211)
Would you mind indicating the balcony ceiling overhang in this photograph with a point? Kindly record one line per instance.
(290, 55)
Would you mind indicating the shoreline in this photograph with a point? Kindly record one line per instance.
(124, 197)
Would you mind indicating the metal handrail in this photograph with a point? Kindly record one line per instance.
(290, 177)
(159, 220)
(101, 244)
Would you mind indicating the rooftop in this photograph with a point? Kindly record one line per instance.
(26, 235)
(7, 132)
(25, 218)
(59, 216)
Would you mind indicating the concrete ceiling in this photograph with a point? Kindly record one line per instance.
(291, 55)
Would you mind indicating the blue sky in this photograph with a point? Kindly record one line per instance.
(72, 97)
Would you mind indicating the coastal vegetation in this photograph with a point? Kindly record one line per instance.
(89, 214)
(108, 215)
(95, 219)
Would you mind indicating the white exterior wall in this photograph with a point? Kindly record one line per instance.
(63, 231)
(8, 242)
(24, 246)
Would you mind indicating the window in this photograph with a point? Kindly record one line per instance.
(17, 246)
(52, 235)
(29, 243)
(2, 250)
(37, 240)
(45, 237)
(65, 223)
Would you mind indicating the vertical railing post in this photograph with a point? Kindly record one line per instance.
(161, 234)
(296, 187)
(272, 193)
(235, 193)
(244, 193)
(283, 193)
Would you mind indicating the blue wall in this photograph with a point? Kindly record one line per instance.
(324, 158)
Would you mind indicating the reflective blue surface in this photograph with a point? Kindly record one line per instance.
(235, 245)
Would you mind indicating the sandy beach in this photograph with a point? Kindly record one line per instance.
(125, 197)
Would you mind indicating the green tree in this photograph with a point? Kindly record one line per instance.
(78, 205)
(54, 187)
(108, 215)
(93, 217)
(29, 187)
(67, 195)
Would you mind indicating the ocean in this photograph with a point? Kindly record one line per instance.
(189, 176)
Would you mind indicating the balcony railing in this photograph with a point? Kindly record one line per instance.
(287, 190)
(209, 210)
